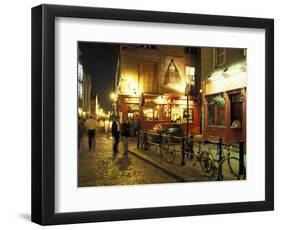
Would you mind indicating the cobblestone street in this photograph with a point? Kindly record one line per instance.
(100, 167)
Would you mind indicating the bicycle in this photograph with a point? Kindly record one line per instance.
(201, 156)
(233, 163)
(169, 150)
(165, 144)
(147, 143)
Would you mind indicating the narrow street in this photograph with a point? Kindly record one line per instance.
(178, 92)
(99, 167)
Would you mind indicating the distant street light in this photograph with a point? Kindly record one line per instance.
(80, 111)
(113, 96)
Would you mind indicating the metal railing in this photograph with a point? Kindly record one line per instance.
(169, 146)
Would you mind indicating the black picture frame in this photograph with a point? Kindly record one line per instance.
(43, 114)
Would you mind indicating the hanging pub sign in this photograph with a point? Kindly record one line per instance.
(172, 73)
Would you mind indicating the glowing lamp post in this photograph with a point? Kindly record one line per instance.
(187, 107)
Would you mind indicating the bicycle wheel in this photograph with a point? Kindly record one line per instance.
(154, 148)
(189, 155)
(170, 153)
(234, 168)
(207, 164)
(144, 146)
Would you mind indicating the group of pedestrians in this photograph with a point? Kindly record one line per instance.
(117, 131)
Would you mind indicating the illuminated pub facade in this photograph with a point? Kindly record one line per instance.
(224, 81)
(151, 84)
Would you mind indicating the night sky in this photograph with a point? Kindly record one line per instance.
(100, 61)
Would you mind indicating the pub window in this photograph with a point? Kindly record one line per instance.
(190, 75)
(216, 110)
(190, 50)
(244, 52)
(153, 47)
(176, 114)
(179, 115)
(219, 56)
(147, 77)
(130, 115)
(190, 115)
(148, 114)
(235, 110)
(154, 113)
(158, 113)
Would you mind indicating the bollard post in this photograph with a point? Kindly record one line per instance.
(220, 158)
(182, 151)
(161, 144)
(191, 149)
(241, 158)
(138, 139)
(145, 140)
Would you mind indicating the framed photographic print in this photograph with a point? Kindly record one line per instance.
(142, 114)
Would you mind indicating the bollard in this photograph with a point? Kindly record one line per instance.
(182, 151)
(162, 136)
(191, 149)
(220, 158)
(138, 139)
(241, 158)
(161, 151)
(145, 140)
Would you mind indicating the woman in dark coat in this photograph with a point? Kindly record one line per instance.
(115, 131)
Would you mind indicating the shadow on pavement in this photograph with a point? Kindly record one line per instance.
(124, 162)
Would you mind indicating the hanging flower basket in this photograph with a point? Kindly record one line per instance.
(218, 100)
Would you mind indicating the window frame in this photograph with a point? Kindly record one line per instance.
(221, 55)
(216, 109)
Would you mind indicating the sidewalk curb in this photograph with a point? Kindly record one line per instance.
(157, 165)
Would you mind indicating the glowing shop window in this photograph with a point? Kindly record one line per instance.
(148, 114)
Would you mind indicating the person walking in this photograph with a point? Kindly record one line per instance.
(115, 131)
(101, 125)
(125, 134)
(106, 127)
(91, 125)
(80, 131)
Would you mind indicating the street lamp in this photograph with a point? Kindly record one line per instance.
(187, 107)
(113, 96)
(187, 121)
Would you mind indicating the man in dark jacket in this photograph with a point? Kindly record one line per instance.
(115, 131)
(125, 134)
